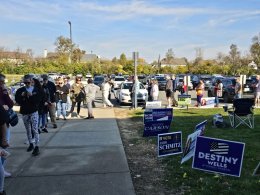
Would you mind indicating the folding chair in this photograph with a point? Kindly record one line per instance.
(242, 113)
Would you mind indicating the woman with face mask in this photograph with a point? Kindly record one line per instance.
(61, 94)
(28, 97)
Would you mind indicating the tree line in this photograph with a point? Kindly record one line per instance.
(68, 60)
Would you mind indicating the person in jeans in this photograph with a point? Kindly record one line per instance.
(91, 90)
(62, 92)
(28, 97)
(52, 104)
(77, 95)
(43, 105)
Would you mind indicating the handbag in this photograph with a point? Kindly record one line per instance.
(13, 117)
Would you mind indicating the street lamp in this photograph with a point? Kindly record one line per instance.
(70, 42)
(70, 31)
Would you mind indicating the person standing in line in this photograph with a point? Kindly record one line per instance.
(78, 94)
(199, 92)
(134, 90)
(174, 102)
(168, 91)
(257, 91)
(52, 104)
(3, 154)
(43, 105)
(6, 102)
(28, 97)
(91, 90)
(218, 92)
(66, 82)
(105, 87)
(62, 92)
(238, 89)
(154, 90)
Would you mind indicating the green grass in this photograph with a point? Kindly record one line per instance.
(199, 182)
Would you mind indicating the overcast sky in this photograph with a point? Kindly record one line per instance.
(151, 27)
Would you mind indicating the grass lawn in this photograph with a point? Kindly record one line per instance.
(193, 181)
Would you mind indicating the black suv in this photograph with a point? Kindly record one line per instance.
(228, 89)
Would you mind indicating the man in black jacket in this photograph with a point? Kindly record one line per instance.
(28, 97)
(52, 104)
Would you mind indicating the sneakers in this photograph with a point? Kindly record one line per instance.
(55, 126)
(44, 130)
(30, 148)
(36, 151)
(64, 118)
(7, 174)
(3, 193)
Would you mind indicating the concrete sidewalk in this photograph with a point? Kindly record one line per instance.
(79, 157)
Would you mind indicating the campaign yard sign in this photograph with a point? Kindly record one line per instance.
(191, 140)
(169, 144)
(184, 100)
(218, 156)
(201, 126)
(208, 102)
(153, 104)
(157, 121)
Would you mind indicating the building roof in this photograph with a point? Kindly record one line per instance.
(174, 62)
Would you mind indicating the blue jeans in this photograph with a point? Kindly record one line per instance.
(216, 100)
(42, 120)
(237, 96)
(61, 108)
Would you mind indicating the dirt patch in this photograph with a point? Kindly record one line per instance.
(147, 171)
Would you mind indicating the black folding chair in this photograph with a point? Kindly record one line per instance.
(242, 113)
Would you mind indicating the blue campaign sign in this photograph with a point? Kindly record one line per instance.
(219, 156)
(157, 121)
(201, 126)
(155, 128)
(169, 144)
(158, 114)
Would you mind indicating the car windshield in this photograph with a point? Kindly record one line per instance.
(119, 78)
(129, 85)
(99, 79)
(160, 78)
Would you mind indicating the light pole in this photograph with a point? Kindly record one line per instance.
(70, 42)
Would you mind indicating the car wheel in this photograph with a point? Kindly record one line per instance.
(225, 98)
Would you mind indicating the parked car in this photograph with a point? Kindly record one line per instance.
(98, 80)
(249, 86)
(117, 81)
(161, 82)
(123, 93)
(228, 92)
